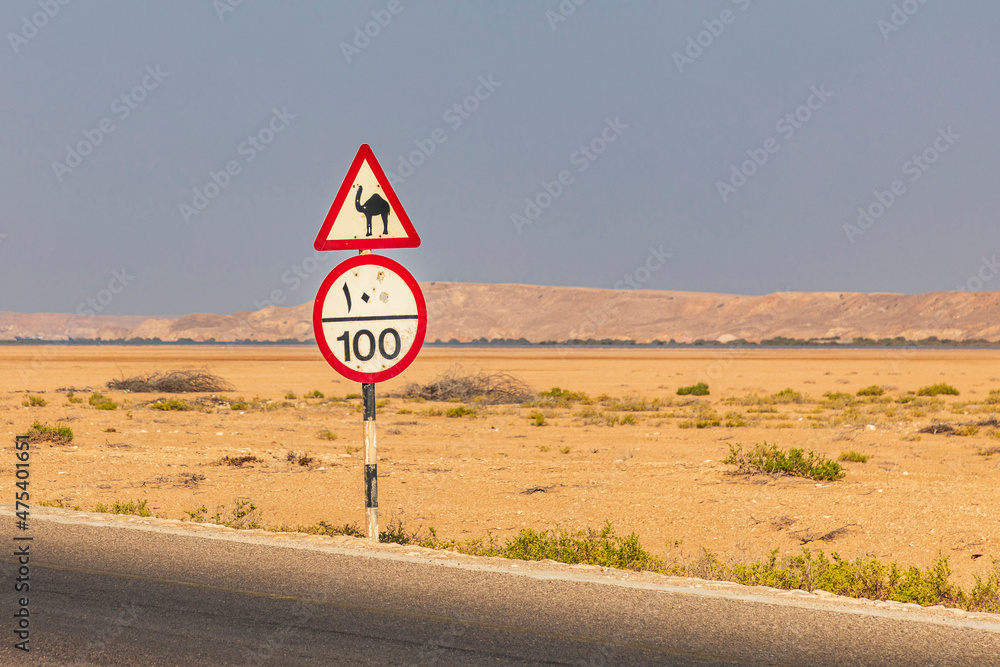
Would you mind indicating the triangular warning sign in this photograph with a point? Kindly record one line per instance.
(366, 212)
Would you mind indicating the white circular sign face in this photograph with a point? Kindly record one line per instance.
(369, 318)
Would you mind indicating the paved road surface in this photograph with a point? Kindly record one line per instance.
(123, 591)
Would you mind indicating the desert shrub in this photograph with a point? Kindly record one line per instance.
(835, 400)
(55, 434)
(315, 393)
(327, 434)
(563, 397)
(133, 507)
(71, 397)
(853, 456)
(324, 528)
(871, 390)
(101, 402)
(937, 388)
(700, 389)
(768, 459)
(592, 547)
(290, 395)
(171, 404)
(238, 461)
(34, 402)
(460, 411)
(735, 420)
(788, 395)
(632, 404)
(967, 429)
(172, 382)
(396, 533)
(242, 517)
(538, 418)
(455, 384)
(302, 459)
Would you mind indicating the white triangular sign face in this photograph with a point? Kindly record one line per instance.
(366, 212)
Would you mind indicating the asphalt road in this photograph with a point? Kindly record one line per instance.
(119, 591)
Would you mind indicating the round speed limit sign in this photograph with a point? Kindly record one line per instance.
(369, 318)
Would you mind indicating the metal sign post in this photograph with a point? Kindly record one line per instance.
(371, 462)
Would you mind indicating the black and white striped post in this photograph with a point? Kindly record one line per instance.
(371, 461)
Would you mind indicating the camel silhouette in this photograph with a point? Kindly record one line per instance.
(374, 206)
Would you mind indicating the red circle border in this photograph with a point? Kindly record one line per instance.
(324, 346)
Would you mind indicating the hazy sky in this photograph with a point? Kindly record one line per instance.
(720, 146)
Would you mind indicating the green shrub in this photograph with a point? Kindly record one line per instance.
(938, 388)
(34, 402)
(592, 547)
(73, 398)
(735, 420)
(835, 400)
(538, 417)
(700, 389)
(856, 457)
(134, 507)
(315, 393)
(764, 458)
(632, 404)
(242, 517)
(172, 404)
(788, 395)
(871, 390)
(459, 411)
(56, 434)
(101, 402)
(564, 398)
(327, 434)
(324, 528)
(861, 578)
(290, 396)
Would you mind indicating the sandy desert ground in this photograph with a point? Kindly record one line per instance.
(918, 496)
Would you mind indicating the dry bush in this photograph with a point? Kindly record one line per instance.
(237, 461)
(302, 459)
(456, 385)
(172, 382)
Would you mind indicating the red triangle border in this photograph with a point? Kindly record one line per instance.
(411, 240)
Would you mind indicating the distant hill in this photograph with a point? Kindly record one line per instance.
(470, 311)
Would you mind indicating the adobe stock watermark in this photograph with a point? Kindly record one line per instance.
(95, 304)
(248, 149)
(455, 116)
(122, 107)
(915, 168)
(223, 7)
(786, 127)
(900, 14)
(704, 39)
(381, 18)
(988, 269)
(294, 277)
(31, 25)
(562, 12)
(597, 317)
(581, 158)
